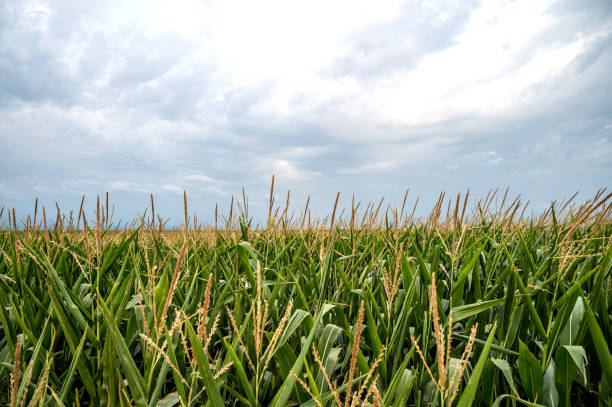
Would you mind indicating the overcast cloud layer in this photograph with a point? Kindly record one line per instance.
(353, 96)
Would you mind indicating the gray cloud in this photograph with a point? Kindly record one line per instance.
(92, 100)
(419, 29)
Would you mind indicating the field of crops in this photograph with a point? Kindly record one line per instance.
(476, 304)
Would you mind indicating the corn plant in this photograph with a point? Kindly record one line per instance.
(473, 304)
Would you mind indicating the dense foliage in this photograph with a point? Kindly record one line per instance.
(478, 308)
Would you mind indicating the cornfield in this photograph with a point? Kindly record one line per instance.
(472, 305)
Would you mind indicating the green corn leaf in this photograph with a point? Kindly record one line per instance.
(242, 376)
(530, 372)
(135, 380)
(466, 311)
(501, 398)
(565, 325)
(214, 396)
(579, 357)
(601, 346)
(504, 366)
(551, 395)
(69, 377)
(285, 391)
(469, 392)
(564, 374)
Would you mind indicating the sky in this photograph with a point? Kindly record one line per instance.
(358, 97)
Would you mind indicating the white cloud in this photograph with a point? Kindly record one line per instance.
(380, 166)
(287, 40)
(601, 153)
(214, 190)
(290, 171)
(539, 172)
(485, 72)
(124, 186)
(173, 189)
(200, 178)
(35, 17)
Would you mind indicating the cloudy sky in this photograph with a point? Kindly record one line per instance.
(363, 97)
